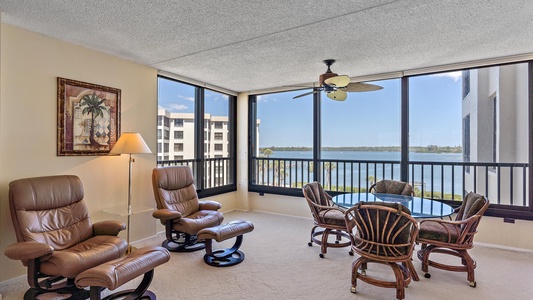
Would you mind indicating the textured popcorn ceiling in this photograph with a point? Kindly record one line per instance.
(246, 45)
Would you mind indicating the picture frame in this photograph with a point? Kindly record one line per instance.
(88, 118)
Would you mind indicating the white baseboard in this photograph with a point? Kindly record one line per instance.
(285, 215)
(515, 249)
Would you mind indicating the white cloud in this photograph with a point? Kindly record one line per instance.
(266, 98)
(186, 98)
(456, 75)
(178, 107)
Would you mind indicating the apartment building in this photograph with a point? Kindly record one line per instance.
(175, 136)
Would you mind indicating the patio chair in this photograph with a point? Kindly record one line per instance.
(387, 186)
(328, 220)
(385, 234)
(453, 237)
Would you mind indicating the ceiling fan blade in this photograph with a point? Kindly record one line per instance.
(337, 95)
(304, 94)
(338, 81)
(361, 87)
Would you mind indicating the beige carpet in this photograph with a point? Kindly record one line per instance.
(280, 265)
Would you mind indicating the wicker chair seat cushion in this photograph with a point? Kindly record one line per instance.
(332, 217)
(439, 231)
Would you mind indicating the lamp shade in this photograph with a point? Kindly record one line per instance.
(130, 143)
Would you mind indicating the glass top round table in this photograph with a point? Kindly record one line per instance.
(419, 207)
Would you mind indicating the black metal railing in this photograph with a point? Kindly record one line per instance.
(503, 183)
(216, 171)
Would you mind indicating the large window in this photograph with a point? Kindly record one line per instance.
(282, 130)
(498, 105)
(366, 126)
(192, 113)
(445, 133)
(287, 123)
(436, 128)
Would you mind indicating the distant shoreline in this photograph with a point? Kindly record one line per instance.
(416, 149)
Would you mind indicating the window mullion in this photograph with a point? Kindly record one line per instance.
(199, 137)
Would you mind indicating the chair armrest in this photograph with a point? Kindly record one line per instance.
(209, 205)
(326, 207)
(455, 223)
(166, 214)
(28, 250)
(109, 227)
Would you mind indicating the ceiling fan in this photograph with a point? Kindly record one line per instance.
(336, 85)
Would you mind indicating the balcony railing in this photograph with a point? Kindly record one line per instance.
(502, 183)
(216, 170)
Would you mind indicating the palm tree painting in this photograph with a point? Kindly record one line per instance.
(88, 118)
(92, 105)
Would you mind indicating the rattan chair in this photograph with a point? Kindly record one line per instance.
(385, 233)
(387, 186)
(453, 237)
(328, 220)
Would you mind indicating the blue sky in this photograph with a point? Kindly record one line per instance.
(179, 98)
(369, 118)
(364, 119)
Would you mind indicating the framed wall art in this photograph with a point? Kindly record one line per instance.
(88, 118)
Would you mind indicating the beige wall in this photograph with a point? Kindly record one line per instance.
(30, 64)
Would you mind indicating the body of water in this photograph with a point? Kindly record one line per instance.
(370, 155)
(356, 175)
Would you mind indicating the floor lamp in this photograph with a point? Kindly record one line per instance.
(130, 143)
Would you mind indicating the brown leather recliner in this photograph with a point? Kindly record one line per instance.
(55, 237)
(179, 209)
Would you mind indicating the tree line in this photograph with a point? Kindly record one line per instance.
(416, 149)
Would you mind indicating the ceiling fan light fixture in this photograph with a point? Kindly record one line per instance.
(336, 86)
(337, 95)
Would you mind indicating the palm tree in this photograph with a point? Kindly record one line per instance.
(267, 152)
(278, 167)
(92, 105)
(328, 168)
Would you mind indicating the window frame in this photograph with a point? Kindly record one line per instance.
(496, 210)
(199, 136)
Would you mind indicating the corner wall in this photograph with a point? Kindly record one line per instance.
(29, 66)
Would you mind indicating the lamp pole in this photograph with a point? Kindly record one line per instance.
(130, 143)
(129, 205)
